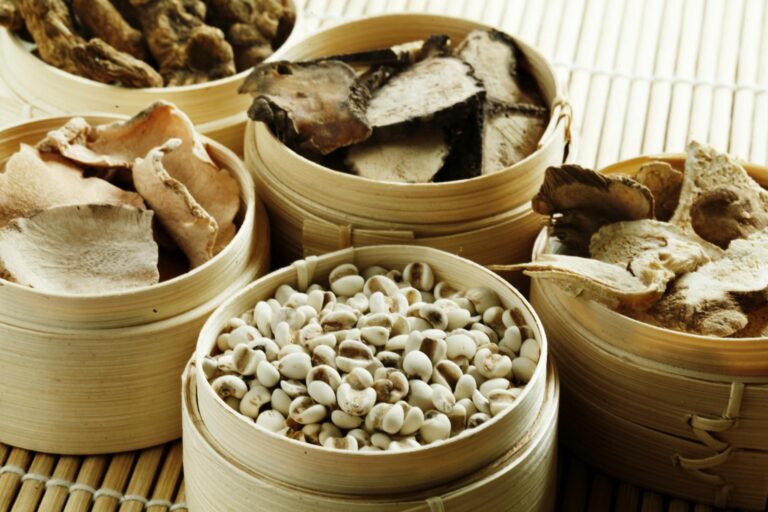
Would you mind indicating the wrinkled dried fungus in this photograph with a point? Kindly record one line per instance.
(664, 182)
(103, 20)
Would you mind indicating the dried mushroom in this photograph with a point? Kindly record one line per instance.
(314, 107)
(184, 219)
(718, 199)
(10, 16)
(33, 181)
(510, 134)
(103, 20)
(664, 182)
(80, 249)
(580, 201)
(120, 144)
(99, 61)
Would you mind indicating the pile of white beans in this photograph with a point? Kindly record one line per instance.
(385, 360)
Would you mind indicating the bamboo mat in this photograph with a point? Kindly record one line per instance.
(644, 76)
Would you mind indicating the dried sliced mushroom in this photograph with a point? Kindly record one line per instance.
(192, 228)
(314, 107)
(718, 199)
(510, 134)
(33, 181)
(664, 182)
(609, 284)
(120, 144)
(83, 249)
(415, 159)
(581, 200)
(103, 20)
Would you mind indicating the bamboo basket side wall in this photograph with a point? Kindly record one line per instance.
(109, 390)
(373, 473)
(522, 479)
(21, 305)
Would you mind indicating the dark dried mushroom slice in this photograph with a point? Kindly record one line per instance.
(581, 200)
(81, 249)
(399, 55)
(314, 107)
(439, 90)
(664, 182)
(510, 134)
(414, 159)
(496, 58)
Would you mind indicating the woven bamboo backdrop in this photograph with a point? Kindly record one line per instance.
(643, 76)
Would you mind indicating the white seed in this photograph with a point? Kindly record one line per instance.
(295, 365)
(296, 300)
(490, 333)
(511, 340)
(353, 354)
(468, 406)
(397, 343)
(266, 345)
(338, 320)
(493, 385)
(530, 349)
(374, 270)
(442, 398)
(447, 373)
(434, 347)
(413, 421)
(283, 293)
(324, 355)
(341, 443)
(359, 379)
(353, 401)
(406, 443)
(493, 318)
(523, 368)
(344, 420)
(267, 375)
(303, 410)
(436, 427)
(444, 290)
(465, 387)
(262, 314)
(233, 403)
(389, 359)
(381, 284)
(400, 325)
(458, 318)
(411, 294)
(324, 373)
(492, 365)
(222, 342)
(500, 399)
(328, 430)
(380, 440)
(481, 402)
(393, 419)
(324, 339)
(477, 419)
(418, 324)
(359, 302)
(283, 334)
(294, 388)
(458, 418)
(253, 400)
(460, 345)
(434, 315)
(419, 275)
(420, 395)
(347, 286)
(311, 433)
(281, 401)
(243, 335)
(417, 364)
(229, 385)
(322, 393)
(363, 437)
(375, 417)
(391, 386)
(480, 337)
(482, 298)
(272, 420)
(375, 335)
(234, 323)
(293, 317)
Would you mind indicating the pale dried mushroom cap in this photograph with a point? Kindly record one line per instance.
(664, 182)
(192, 228)
(32, 181)
(83, 249)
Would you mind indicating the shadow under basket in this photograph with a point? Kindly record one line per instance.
(486, 219)
(215, 107)
(85, 374)
(677, 413)
(514, 450)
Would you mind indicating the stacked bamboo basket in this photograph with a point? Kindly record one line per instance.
(678, 413)
(215, 107)
(231, 464)
(84, 374)
(487, 219)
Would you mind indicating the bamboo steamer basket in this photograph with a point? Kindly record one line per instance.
(523, 478)
(320, 209)
(215, 107)
(99, 374)
(299, 463)
(679, 413)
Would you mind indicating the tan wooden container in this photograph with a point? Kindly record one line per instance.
(487, 219)
(215, 107)
(371, 474)
(98, 374)
(523, 478)
(678, 413)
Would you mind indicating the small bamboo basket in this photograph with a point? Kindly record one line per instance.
(371, 474)
(678, 413)
(317, 209)
(97, 374)
(215, 107)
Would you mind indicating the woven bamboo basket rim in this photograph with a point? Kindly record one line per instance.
(13, 134)
(546, 419)
(222, 421)
(674, 351)
(474, 189)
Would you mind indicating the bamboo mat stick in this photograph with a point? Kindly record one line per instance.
(55, 496)
(354, 9)
(678, 506)
(531, 22)
(706, 67)
(168, 480)
(600, 494)
(637, 107)
(595, 108)
(118, 473)
(567, 38)
(627, 497)
(661, 91)
(180, 497)
(749, 59)
(32, 489)
(728, 53)
(334, 10)
(4, 451)
(90, 475)
(473, 10)
(512, 16)
(682, 93)
(576, 487)
(618, 94)
(493, 13)
(652, 502)
(11, 481)
(546, 42)
(452, 7)
(759, 150)
(142, 479)
(416, 5)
